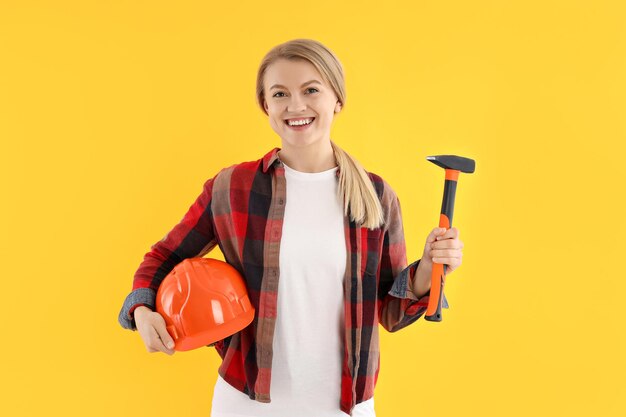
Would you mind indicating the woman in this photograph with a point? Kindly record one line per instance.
(309, 213)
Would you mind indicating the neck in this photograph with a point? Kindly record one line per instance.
(314, 158)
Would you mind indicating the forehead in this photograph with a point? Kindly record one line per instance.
(291, 73)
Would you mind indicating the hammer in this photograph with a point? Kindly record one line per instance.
(453, 165)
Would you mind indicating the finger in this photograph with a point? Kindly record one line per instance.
(164, 335)
(451, 263)
(451, 233)
(153, 340)
(158, 339)
(441, 260)
(446, 253)
(166, 339)
(447, 243)
(436, 232)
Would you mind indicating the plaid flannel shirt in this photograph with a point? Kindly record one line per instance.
(241, 209)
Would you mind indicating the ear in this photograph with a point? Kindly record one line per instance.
(338, 107)
(265, 106)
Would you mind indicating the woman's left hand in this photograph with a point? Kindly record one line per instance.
(444, 248)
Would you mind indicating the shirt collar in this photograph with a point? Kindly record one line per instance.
(269, 159)
(272, 156)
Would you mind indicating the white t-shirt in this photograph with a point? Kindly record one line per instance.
(308, 339)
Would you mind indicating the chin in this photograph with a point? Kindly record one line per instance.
(303, 142)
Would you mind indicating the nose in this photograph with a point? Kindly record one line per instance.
(296, 104)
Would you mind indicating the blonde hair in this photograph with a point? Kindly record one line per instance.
(355, 186)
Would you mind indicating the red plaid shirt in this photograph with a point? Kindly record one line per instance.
(241, 209)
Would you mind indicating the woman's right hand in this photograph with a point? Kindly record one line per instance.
(151, 327)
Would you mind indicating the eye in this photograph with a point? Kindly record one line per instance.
(310, 88)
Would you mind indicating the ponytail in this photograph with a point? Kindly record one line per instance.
(356, 188)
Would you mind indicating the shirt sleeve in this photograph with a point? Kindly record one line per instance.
(193, 236)
(398, 305)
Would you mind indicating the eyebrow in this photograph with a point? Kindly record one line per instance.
(282, 86)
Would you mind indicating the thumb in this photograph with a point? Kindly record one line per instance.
(437, 231)
(164, 334)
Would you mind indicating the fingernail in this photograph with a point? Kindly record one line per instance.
(170, 345)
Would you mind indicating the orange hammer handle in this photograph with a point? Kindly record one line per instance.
(438, 276)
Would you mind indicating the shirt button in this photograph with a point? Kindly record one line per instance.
(280, 201)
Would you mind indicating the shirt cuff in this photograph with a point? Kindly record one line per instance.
(402, 286)
(137, 297)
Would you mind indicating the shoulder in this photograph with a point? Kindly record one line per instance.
(385, 191)
(388, 198)
(239, 173)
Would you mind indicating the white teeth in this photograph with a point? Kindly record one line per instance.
(300, 122)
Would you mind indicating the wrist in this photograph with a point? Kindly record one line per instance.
(140, 309)
(422, 279)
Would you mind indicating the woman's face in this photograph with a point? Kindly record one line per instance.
(290, 95)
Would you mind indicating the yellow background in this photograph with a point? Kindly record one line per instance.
(114, 113)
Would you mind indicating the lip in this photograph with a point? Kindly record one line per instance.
(299, 117)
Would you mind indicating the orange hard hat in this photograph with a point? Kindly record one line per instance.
(203, 301)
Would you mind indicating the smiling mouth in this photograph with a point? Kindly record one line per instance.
(301, 125)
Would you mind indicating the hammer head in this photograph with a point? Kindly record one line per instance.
(458, 163)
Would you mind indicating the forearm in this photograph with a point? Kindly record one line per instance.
(422, 280)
